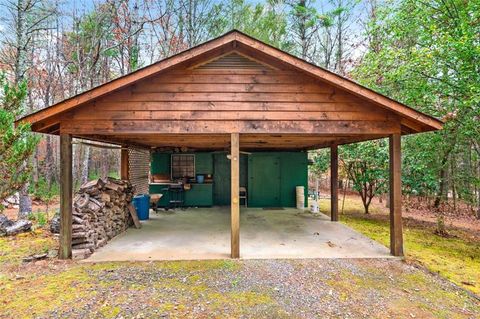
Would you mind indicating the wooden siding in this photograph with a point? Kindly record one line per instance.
(233, 68)
(229, 98)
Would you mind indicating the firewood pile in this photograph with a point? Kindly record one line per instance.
(100, 212)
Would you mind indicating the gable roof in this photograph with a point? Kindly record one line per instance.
(419, 121)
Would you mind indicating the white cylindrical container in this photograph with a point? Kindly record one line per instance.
(300, 191)
(314, 207)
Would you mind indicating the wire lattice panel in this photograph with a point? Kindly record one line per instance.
(138, 169)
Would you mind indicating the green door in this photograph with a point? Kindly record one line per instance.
(264, 174)
(221, 179)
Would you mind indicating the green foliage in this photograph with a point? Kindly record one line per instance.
(88, 40)
(321, 161)
(16, 143)
(420, 165)
(40, 218)
(262, 21)
(366, 164)
(426, 55)
(43, 191)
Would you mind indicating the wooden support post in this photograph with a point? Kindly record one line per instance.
(124, 164)
(334, 183)
(235, 191)
(65, 250)
(396, 235)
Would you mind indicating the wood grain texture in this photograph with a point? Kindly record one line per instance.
(239, 126)
(231, 115)
(235, 193)
(65, 248)
(334, 183)
(396, 232)
(124, 164)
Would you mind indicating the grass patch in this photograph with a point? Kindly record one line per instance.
(456, 258)
(37, 295)
(195, 265)
(14, 248)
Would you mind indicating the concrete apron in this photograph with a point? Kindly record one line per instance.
(204, 233)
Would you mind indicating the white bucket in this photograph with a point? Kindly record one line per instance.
(300, 191)
(314, 207)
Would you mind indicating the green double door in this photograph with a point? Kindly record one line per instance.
(222, 179)
(264, 180)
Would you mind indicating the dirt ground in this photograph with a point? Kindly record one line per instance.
(417, 211)
(313, 288)
(12, 212)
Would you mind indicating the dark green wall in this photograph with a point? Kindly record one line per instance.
(160, 163)
(270, 178)
(289, 169)
(222, 180)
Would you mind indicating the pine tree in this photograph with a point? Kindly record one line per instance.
(17, 144)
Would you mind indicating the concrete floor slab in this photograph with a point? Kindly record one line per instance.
(204, 233)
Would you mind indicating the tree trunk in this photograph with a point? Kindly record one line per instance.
(363, 195)
(85, 165)
(35, 167)
(25, 203)
(366, 206)
(104, 169)
(441, 189)
(48, 164)
(454, 188)
(478, 205)
(478, 194)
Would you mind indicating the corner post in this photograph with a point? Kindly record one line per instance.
(65, 250)
(334, 183)
(396, 235)
(235, 203)
(124, 164)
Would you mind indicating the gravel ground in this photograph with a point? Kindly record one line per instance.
(311, 288)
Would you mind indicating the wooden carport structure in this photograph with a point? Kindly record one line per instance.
(233, 92)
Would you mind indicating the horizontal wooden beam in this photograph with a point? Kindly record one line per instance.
(225, 106)
(233, 88)
(228, 76)
(216, 115)
(127, 96)
(208, 127)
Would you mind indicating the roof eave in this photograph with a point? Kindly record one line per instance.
(427, 122)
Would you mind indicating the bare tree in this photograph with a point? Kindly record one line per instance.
(304, 25)
(336, 37)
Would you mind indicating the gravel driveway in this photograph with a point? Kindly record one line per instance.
(309, 288)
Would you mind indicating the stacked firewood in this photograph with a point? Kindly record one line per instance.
(100, 212)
